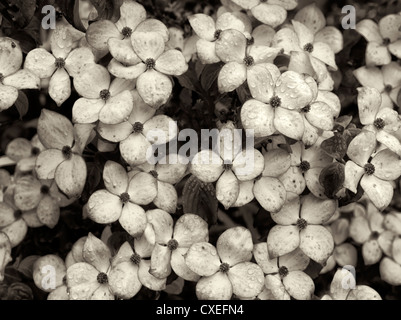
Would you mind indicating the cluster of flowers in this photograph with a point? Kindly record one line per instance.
(292, 111)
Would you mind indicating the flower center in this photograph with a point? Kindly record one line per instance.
(154, 173)
(126, 32)
(379, 123)
(308, 47)
(44, 189)
(304, 166)
(217, 34)
(150, 63)
(306, 109)
(386, 41)
(59, 63)
(388, 88)
(35, 151)
(124, 197)
(104, 94)
(135, 258)
(137, 127)
(224, 267)
(369, 169)
(301, 224)
(250, 41)
(17, 214)
(275, 102)
(249, 61)
(67, 152)
(172, 244)
(102, 278)
(283, 271)
(227, 166)
(375, 235)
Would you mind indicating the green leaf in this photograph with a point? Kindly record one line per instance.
(332, 179)
(200, 198)
(22, 104)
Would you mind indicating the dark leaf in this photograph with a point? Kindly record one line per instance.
(26, 265)
(94, 177)
(200, 198)
(22, 104)
(351, 197)
(189, 80)
(70, 9)
(19, 291)
(25, 13)
(313, 269)
(343, 122)
(26, 41)
(107, 9)
(209, 75)
(335, 146)
(116, 240)
(332, 179)
(243, 93)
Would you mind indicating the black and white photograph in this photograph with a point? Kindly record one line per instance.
(200, 158)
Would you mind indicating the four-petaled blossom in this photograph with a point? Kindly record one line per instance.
(387, 80)
(384, 39)
(63, 62)
(243, 62)
(225, 269)
(299, 225)
(374, 175)
(209, 31)
(88, 280)
(12, 77)
(62, 160)
(154, 68)
(278, 105)
(108, 101)
(285, 276)
(172, 242)
(122, 198)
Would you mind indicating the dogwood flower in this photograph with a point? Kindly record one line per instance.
(140, 132)
(209, 31)
(167, 175)
(153, 69)
(106, 36)
(270, 12)
(242, 61)
(375, 176)
(383, 122)
(299, 225)
(308, 53)
(12, 77)
(24, 153)
(384, 39)
(306, 166)
(225, 269)
(385, 79)
(285, 276)
(229, 168)
(122, 198)
(130, 268)
(368, 230)
(62, 160)
(172, 242)
(14, 222)
(108, 101)
(88, 280)
(41, 196)
(278, 105)
(343, 287)
(63, 62)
